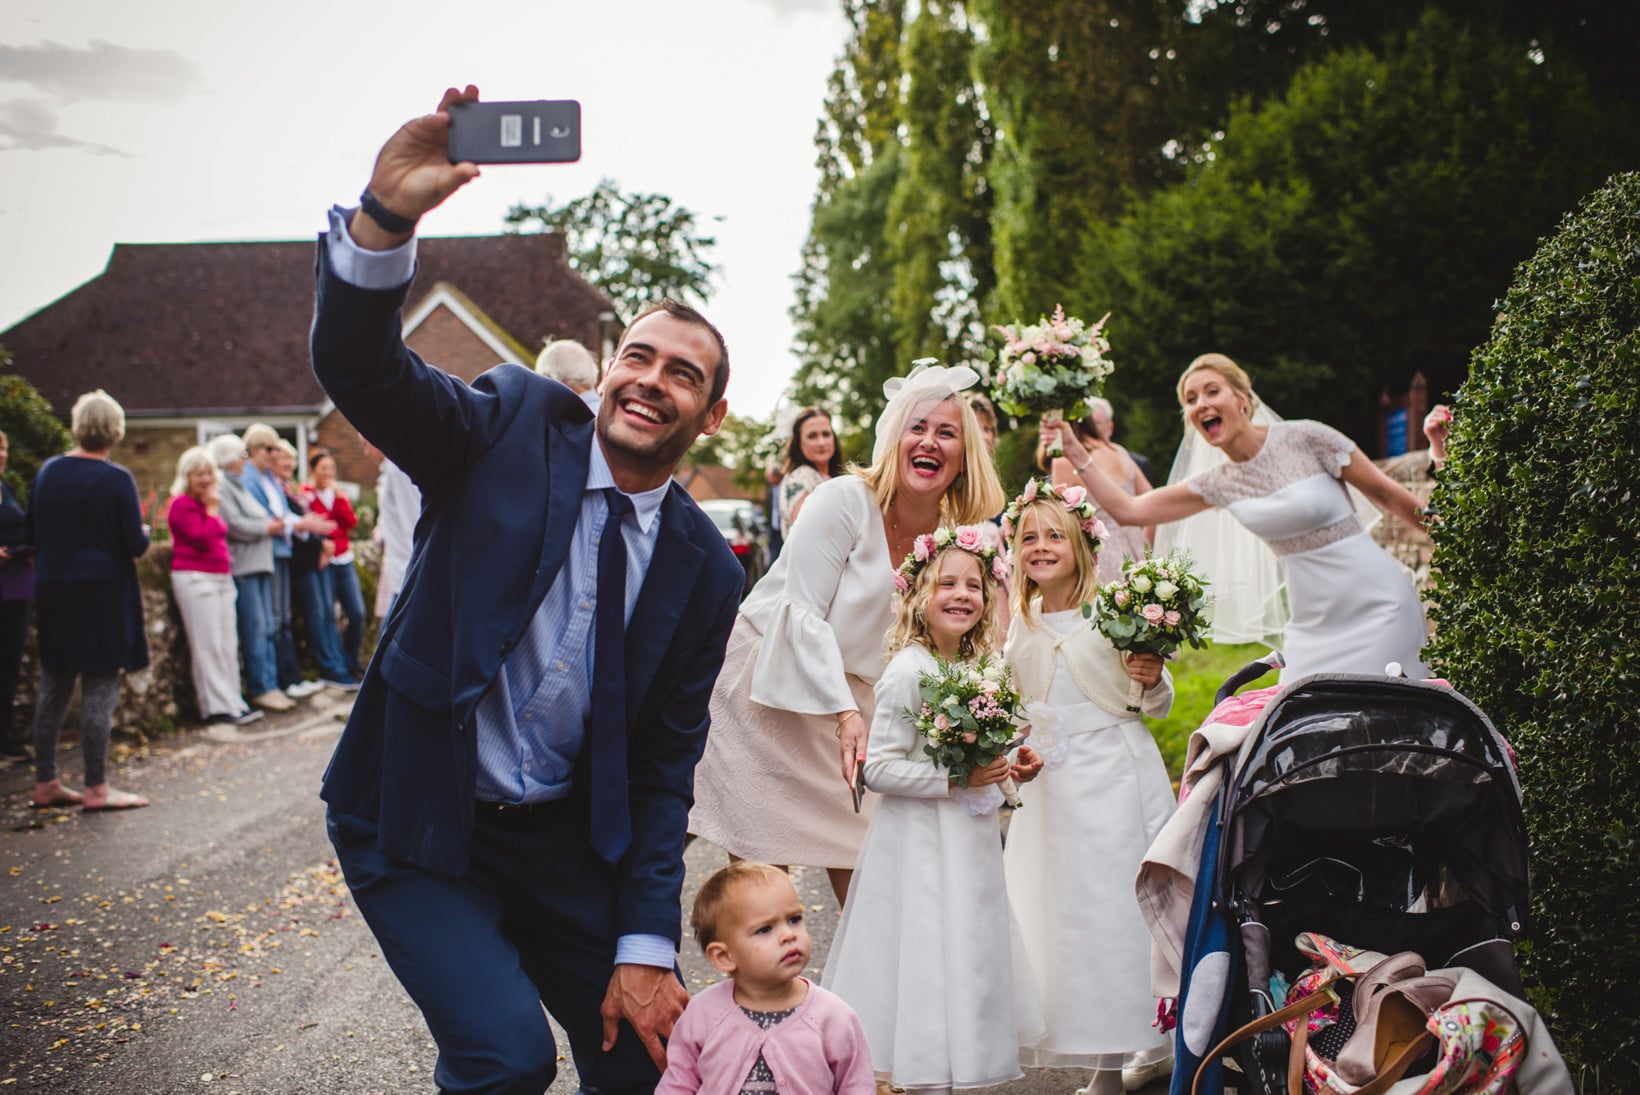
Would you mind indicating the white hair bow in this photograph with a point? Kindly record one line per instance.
(928, 382)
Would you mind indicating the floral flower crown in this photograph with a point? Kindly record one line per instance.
(1074, 498)
(927, 547)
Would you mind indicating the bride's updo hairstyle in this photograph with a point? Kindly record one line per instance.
(1233, 374)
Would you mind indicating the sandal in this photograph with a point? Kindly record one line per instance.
(60, 796)
(116, 800)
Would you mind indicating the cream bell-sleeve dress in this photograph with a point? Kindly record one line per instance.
(808, 644)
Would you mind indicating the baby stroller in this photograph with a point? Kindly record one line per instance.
(1376, 810)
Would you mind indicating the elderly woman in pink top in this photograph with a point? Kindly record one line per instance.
(204, 589)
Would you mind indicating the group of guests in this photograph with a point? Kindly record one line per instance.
(252, 547)
(1058, 975)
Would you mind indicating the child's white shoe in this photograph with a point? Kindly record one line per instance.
(1106, 1081)
(1136, 1077)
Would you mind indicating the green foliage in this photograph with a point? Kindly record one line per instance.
(34, 433)
(1538, 619)
(637, 248)
(738, 445)
(1197, 675)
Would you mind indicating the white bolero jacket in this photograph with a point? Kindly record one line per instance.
(826, 605)
(1096, 666)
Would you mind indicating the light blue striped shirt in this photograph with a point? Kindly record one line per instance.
(533, 720)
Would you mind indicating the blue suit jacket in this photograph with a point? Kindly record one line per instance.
(502, 467)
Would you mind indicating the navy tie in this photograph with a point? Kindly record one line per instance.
(611, 813)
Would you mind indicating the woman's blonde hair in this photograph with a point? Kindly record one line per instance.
(97, 421)
(1050, 512)
(189, 462)
(911, 619)
(1233, 374)
(976, 493)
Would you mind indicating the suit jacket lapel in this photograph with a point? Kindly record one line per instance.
(661, 602)
(568, 457)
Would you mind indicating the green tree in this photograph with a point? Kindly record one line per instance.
(638, 248)
(33, 433)
(1537, 616)
(1352, 232)
(739, 446)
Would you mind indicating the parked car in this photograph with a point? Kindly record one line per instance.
(746, 532)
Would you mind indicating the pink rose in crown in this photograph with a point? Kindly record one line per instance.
(999, 569)
(1153, 613)
(923, 547)
(901, 582)
(1029, 494)
(1094, 528)
(1007, 529)
(968, 538)
(1074, 495)
(1172, 618)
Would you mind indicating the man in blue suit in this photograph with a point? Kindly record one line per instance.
(509, 799)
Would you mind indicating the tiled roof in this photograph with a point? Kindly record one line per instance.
(201, 328)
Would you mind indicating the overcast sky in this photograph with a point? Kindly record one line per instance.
(199, 120)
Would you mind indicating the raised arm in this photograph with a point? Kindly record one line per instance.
(1170, 503)
(1385, 493)
(413, 175)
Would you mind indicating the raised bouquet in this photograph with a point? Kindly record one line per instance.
(1158, 606)
(1051, 368)
(970, 716)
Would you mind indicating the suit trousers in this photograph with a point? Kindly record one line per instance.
(530, 924)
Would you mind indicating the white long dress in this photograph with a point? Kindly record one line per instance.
(1074, 848)
(808, 644)
(927, 952)
(1354, 610)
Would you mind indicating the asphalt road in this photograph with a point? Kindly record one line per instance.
(207, 944)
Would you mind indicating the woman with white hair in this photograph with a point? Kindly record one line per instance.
(787, 733)
(85, 519)
(203, 585)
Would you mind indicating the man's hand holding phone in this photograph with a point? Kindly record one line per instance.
(413, 175)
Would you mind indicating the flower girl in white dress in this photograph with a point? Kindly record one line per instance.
(927, 953)
(1075, 845)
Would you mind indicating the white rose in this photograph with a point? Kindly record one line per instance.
(993, 672)
(1166, 590)
(1141, 584)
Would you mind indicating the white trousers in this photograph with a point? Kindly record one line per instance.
(207, 605)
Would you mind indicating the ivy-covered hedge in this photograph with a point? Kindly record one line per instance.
(1539, 607)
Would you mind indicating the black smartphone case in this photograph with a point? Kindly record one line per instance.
(539, 131)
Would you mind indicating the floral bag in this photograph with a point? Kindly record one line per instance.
(1360, 1022)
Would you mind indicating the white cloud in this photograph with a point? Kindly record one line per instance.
(100, 71)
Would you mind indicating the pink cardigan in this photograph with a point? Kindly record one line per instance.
(199, 541)
(818, 1050)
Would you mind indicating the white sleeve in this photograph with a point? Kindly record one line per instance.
(895, 761)
(800, 664)
(367, 269)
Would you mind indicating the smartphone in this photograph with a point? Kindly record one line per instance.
(859, 786)
(537, 131)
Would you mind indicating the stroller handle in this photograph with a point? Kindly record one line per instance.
(1247, 674)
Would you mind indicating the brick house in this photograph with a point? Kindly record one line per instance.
(199, 339)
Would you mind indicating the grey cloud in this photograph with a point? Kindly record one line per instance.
(32, 124)
(101, 71)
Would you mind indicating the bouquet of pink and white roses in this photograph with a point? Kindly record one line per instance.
(1158, 606)
(1051, 368)
(970, 715)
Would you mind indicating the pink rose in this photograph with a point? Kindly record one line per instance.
(999, 569)
(1029, 494)
(941, 722)
(1007, 529)
(1095, 528)
(969, 538)
(1074, 495)
(1153, 613)
(1172, 618)
(1121, 598)
(988, 686)
(1041, 346)
(923, 547)
(901, 582)
(1028, 358)
(970, 737)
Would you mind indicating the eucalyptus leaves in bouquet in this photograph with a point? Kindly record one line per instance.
(1156, 607)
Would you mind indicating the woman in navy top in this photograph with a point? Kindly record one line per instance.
(86, 522)
(16, 584)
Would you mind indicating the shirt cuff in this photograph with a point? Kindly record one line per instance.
(367, 269)
(645, 950)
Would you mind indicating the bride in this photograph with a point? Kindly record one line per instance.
(1353, 610)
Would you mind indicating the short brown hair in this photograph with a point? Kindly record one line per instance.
(713, 899)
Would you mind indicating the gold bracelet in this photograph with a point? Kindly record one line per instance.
(841, 719)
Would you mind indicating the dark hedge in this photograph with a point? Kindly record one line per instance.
(1539, 607)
